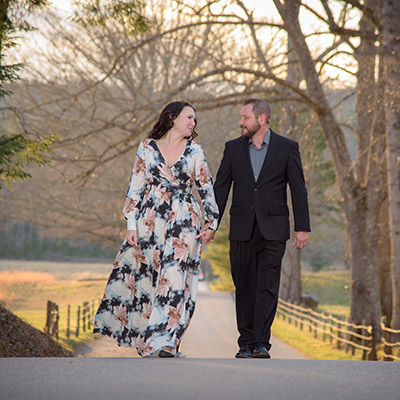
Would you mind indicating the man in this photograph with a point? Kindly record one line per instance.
(260, 164)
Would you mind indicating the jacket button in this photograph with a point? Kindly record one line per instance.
(256, 190)
(252, 207)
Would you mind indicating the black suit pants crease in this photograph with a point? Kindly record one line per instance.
(256, 271)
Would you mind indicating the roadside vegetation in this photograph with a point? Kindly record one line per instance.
(25, 287)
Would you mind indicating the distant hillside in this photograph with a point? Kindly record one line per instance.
(19, 339)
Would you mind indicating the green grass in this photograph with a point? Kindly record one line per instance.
(332, 289)
(305, 342)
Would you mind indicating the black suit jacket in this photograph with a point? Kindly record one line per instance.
(267, 198)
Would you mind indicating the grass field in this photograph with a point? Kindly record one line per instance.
(25, 287)
(332, 289)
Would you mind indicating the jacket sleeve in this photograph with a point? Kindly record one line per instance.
(298, 191)
(223, 182)
(135, 192)
(204, 185)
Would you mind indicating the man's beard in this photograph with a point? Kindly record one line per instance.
(250, 131)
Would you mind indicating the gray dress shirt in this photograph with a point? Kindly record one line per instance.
(257, 156)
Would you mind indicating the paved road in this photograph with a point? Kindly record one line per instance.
(210, 371)
(214, 379)
(211, 334)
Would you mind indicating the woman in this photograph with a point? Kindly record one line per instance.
(151, 292)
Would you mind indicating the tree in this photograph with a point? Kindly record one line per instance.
(103, 101)
(361, 192)
(17, 150)
(391, 56)
(22, 149)
(290, 286)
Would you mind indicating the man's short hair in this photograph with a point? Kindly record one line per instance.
(259, 107)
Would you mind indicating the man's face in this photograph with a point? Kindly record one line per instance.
(248, 121)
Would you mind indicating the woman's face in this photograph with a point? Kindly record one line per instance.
(185, 122)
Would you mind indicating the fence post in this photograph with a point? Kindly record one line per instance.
(93, 311)
(84, 312)
(52, 319)
(315, 328)
(78, 319)
(347, 336)
(88, 316)
(301, 321)
(68, 320)
(372, 353)
(387, 350)
(339, 326)
(353, 339)
(363, 341)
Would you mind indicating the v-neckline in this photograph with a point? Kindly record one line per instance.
(177, 160)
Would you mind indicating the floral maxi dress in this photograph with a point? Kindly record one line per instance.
(151, 292)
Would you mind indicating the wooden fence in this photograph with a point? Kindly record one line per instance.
(390, 342)
(83, 316)
(345, 335)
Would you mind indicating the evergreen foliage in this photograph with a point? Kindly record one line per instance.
(17, 151)
(128, 13)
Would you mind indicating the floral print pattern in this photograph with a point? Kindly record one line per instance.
(151, 292)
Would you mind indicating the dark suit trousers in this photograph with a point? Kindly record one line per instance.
(256, 270)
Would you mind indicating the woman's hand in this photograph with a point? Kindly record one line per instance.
(131, 237)
(207, 236)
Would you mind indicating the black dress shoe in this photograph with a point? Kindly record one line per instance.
(165, 354)
(244, 352)
(260, 351)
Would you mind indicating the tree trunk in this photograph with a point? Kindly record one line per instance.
(361, 223)
(360, 200)
(290, 289)
(291, 269)
(365, 55)
(391, 17)
(384, 249)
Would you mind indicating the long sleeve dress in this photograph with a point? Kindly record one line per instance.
(151, 292)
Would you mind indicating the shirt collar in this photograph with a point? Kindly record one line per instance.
(266, 138)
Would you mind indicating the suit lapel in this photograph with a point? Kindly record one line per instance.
(244, 152)
(273, 150)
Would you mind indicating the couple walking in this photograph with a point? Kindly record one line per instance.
(151, 292)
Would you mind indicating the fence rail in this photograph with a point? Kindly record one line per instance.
(346, 334)
(390, 341)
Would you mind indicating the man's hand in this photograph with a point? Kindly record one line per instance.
(131, 237)
(207, 236)
(300, 240)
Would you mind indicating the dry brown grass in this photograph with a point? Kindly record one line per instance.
(11, 283)
(11, 277)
